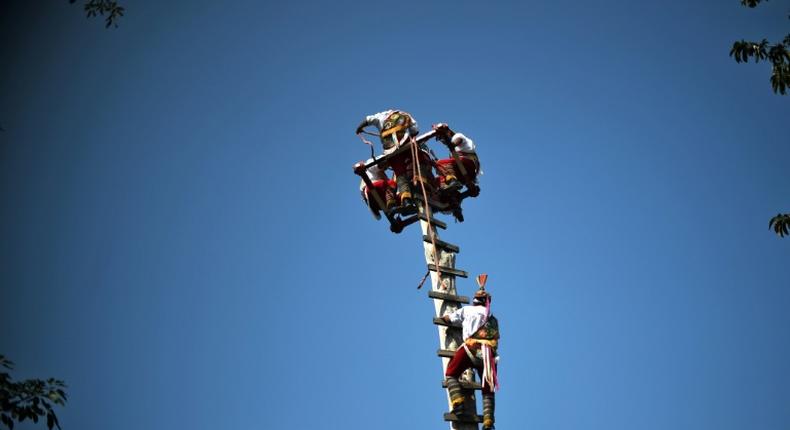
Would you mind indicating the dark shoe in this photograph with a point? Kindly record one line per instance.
(452, 185)
(407, 210)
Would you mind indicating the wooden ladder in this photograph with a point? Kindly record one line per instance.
(445, 298)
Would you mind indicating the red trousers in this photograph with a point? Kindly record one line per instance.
(403, 166)
(385, 190)
(461, 361)
(447, 167)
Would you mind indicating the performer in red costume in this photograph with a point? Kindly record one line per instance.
(481, 338)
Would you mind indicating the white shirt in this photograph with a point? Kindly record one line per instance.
(463, 144)
(377, 120)
(470, 317)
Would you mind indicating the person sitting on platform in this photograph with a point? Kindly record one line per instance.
(480, 332)
(449, 170)
(382, 186)
(395, 130)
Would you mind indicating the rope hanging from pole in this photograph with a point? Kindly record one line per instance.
(369, 143)
(427, 208)
(422, 281)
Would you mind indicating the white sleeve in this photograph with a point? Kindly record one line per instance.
(463, 143)
(377, 119)
(371, 120)
(457, 316)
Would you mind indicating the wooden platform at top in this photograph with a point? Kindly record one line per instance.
(405, 147)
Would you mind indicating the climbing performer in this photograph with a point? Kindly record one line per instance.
(451, 174)
(396, 128)
(480, 332)
(378, 183)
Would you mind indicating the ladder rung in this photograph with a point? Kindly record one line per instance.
(445, 353)
(449, 271)
(439, 321)
(405, 222)
(466, 385)
(449, 416)
(449, 297)
(442, 244)
(437, 222)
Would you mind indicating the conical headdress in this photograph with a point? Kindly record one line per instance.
(482, 294)
(481, 280)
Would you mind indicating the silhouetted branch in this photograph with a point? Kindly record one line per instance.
(777, 54)
(29, 399)
(110, 8)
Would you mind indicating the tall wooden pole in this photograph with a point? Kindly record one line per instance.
(446, 300)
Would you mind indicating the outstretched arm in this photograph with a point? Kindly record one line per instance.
(362, 125)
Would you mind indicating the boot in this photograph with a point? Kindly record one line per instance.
(488, 411)
(456, 395)
(391, 201)
(404, 191)
(451, 184)
(458, 214)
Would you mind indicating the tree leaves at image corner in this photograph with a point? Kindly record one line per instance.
(109, 8)
(777, 54)
(28, 399)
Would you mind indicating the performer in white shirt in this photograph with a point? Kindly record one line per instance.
(480, 332)
(382, 185)
(395, 129)
(449, 172)
(393, 126)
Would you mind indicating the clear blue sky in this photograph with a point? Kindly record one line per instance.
(183, 240)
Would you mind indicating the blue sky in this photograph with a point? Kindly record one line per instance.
(184, 243)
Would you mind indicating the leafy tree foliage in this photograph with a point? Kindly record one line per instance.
(779, 57)
(781, 224)
(109, 8)
(776, 53)
(29, 399)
